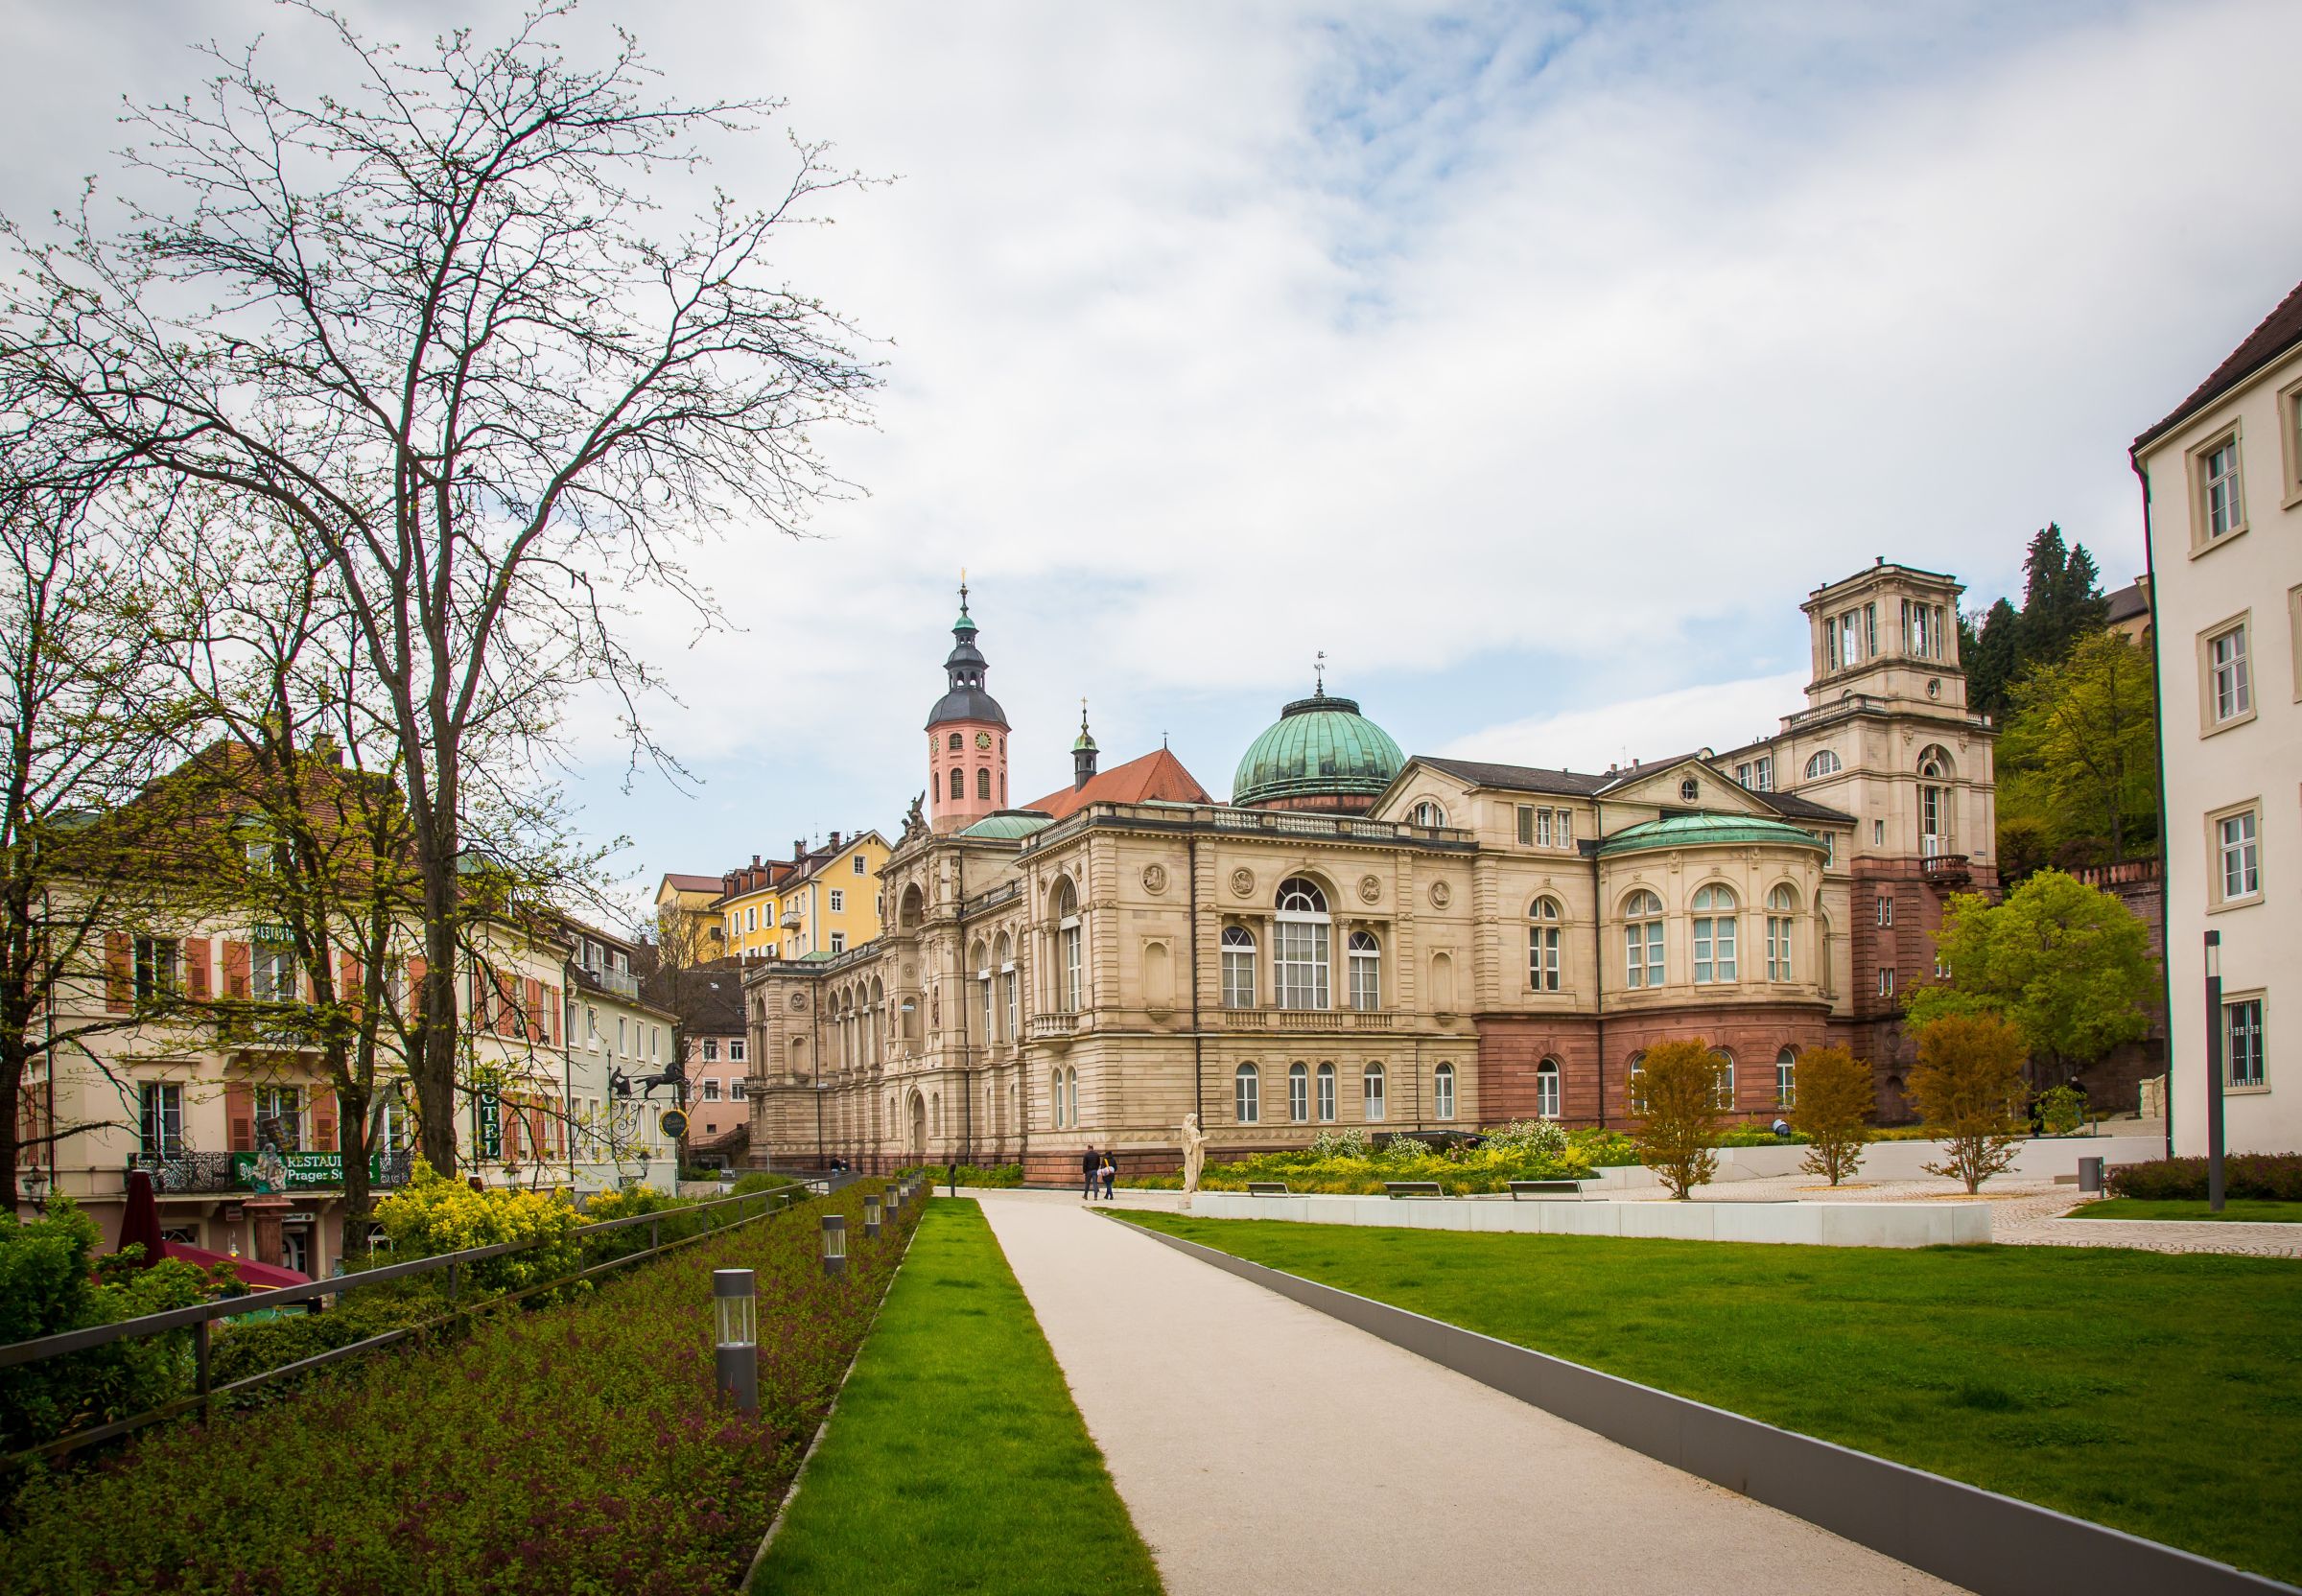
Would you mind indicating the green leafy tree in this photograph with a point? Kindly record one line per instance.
(2066, 964)
(2079, 759)
(1834, 1097)
(1678, 1092)
(1968, 1087)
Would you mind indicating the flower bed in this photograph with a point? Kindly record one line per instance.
(579, 1447)
(1342, 1163)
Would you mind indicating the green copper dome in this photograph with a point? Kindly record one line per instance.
(1708, 830)
(1321, 747)
(1010, 824)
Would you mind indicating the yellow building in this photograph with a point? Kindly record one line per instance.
(821, 899)
(687, 916)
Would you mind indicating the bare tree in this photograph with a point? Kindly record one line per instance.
(434, 326)
(86, 727)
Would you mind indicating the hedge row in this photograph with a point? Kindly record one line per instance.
(577, 1448)
(2271, 1177)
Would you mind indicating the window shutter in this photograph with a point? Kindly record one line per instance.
(119, 979)
(536, 1009)
(199, 982)
(351, 983)
(415, 986)
(323, 1121)
(236, 957)
(240, 1113)
(507, 1006)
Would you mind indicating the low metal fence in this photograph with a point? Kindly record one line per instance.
(201, 1316)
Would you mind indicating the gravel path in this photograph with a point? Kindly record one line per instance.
(1265, 1447)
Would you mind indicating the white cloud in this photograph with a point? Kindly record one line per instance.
(1716, 715)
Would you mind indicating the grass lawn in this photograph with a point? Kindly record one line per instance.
(2160, 1393)
(2254, 1209)
(955, 1461)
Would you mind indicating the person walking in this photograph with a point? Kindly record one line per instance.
(1110, 1172)
(1089, 1161)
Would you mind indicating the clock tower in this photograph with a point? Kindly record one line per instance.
(967, 737)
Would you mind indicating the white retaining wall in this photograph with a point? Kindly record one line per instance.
(2039, 1159)
(1807, 1224)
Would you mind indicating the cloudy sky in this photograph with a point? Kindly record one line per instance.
(1534, 362)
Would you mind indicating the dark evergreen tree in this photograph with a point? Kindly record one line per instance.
(2062, 600)
(1991, 653)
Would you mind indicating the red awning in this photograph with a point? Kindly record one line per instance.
(263, 1277)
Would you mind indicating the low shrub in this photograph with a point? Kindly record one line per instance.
(1759, 1136)
(762, 1179)
(2269, 1177)
(1532, 1137)
(970, 1174)
(2061, 1109)
(581, 1448)
(249, 1347)
(432, 1214)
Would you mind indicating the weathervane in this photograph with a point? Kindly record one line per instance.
(1319, 671)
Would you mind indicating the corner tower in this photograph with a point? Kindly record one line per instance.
(967, 737)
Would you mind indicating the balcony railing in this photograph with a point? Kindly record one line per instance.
(1052, 1027)
(175, 1173)
(991, 899)
(622, 983)
(1948, 869)
(1320, 1021)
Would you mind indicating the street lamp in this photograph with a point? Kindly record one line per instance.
(2213, 1071)
(734, 1304)
(36, 1189)
(871, 1217)
(834, 1245)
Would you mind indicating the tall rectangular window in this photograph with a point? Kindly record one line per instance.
(280, 1116)
(838, 901)
(1886, 910)
(1929, 822)
(1762, 771)
(2225, 508)
(1886, 981)
(1778, 947)
(1067, 938)
(1238, 968)
(2243, 1054)
(1302, 948)
(1526, 825)
(273, 973)
(1542, 827)
(2239, 851)
(157, 963)
(2230, 675)
(162, 1134)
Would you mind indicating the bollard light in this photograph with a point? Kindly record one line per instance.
(835, 1244)
(734, 1304)
(871, 1216)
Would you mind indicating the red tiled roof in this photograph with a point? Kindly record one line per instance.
(1156, 776)
(691, 884)
(2280, 331)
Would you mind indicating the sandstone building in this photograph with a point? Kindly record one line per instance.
(1361, 938)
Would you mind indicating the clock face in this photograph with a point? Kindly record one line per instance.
(982, 739)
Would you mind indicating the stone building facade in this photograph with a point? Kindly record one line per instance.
(1399, 944)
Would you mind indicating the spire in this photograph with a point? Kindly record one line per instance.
(965, 622)
(1319, 675)
(1083, 753)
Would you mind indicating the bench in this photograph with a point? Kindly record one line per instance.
(1267, 1188)
(1545, 1190)
(1413, 1188)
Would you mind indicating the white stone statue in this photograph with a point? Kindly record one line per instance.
(1194, 1156)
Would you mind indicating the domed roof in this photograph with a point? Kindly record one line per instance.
(1010, 824)
(1708, 830)
(1321, 745)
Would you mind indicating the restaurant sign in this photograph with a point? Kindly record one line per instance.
(305, 1169)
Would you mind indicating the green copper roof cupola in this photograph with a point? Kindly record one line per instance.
(1323, 754)
(1082, 752)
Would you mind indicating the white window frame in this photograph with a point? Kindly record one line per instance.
(2236, 835)
(1238, 951)
(2227, 673)
(1247, 1094)
(1642, 933)
(1786, 1078)
(1365, 955)
(1326, 1093)
(2245, 1048)
(1374, 1094)
(1300, 952)
(839, 899)
(1299, 1095)
(1542, 943)
(1549, 1088)
(1716, 911)
(1721, 1079)
(160, 1109)
(1822, 762)
(1442, 1091)
(2221, 508)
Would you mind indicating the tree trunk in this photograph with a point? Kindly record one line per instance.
(432, 1068)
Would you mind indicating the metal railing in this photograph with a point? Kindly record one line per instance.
(201, 1316)
(175, 1173)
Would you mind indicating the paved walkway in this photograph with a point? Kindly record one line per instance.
(1262, 1446)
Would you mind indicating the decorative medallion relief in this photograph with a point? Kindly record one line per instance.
(1155, 877)
(1440, 895)
(1371, 889)
(799, 1002)
(1243, 882)
(911, 971)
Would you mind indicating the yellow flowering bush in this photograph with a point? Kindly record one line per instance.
(432, 1214)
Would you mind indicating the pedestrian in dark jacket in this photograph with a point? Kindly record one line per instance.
(1109, 1170)
(1089, 1163)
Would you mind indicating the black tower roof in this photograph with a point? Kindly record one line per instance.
(965, 700)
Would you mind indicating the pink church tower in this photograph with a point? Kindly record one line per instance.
(967, 737)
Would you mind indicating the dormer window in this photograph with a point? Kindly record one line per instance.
(1428, 813)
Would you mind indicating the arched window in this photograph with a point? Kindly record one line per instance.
(1442, 1091)
(1247, 1094)
(1238, 968)
(1822, 956)
(1370, 1094)
(1822, 762)
(1782, 909)
(1366, 972)
(1303, 945)
(1071, 1097)
(1056, 1098)
(1067, 992)
(958, 783)
(1638, 1083)
(991, 1032)
(1427, 813)
(1933, 801)
(953, 744)
(1722, 1080)
(1714, 933)
(1546, 1090)
(982, 781)
(1008, 983)
(1542, 945)
(1326, 1094)
(1786, 1078)
(1299, 1095)
(1642, 940)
